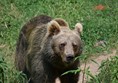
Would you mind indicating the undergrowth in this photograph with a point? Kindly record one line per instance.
(9, 74)
(108, 72)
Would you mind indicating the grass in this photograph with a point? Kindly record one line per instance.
(99, 25)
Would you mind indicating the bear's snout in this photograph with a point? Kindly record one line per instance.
(69, 57)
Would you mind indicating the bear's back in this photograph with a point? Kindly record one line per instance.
(27, 36)
(38, 33)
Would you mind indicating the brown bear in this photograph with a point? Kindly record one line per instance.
(47, 48)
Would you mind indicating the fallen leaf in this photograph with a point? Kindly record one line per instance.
(100, 7)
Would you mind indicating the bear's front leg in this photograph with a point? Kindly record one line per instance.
(69, 78)
(41, 79)
(38, 79)
(41, 74)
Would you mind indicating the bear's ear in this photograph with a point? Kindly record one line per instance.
(53, 28)
(78, 28)
(61, 22)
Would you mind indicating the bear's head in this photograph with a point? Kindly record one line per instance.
(65, 42)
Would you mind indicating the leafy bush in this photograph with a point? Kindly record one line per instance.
(10, 75)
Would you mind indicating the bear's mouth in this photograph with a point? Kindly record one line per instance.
(68, 61)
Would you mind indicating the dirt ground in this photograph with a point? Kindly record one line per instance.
(93, 67)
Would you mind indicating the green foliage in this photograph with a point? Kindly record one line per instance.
(10, 75)
(72, 71)
(108, 72)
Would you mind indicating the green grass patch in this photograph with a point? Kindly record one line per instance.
(99, 25)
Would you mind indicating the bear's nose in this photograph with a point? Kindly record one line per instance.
(70, 57)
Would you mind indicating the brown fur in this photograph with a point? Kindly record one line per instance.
(46, 48)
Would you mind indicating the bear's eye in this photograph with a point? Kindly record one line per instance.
(75, 47)
(74, 44)
(62, 45)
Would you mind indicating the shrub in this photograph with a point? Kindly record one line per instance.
(10, 75)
